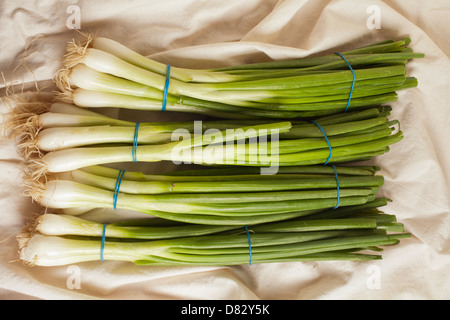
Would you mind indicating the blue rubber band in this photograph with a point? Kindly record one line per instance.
(102, 247)
(326, 138)
(249, 245)
(117, 188)
(337, 186)
(353, 82)
(135, 142)
(166, 88)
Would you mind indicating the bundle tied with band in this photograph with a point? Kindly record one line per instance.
(100, 72)
(103, 240)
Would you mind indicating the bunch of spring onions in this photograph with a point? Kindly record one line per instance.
(352, 233)
(217, 198)
(67, 137)
(293, 115)
(100, 72)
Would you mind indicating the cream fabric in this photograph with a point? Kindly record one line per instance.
(218, 33)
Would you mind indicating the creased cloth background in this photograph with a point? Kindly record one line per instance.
(213, 33)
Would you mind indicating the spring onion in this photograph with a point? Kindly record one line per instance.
(100, 72)
(67, 137)
(236, 200)
(49, 241)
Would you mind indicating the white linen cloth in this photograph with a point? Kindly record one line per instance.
(203, 34)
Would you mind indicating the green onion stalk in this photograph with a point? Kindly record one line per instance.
(62, 125)
(66, 137)
(200, 173)
(100, 72)
(353, 233)
(238, 199)
(248, 153)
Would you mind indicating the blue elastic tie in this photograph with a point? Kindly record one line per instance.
(337, 186)
(326, 138)
(135, 141)
(249, 245)
(102, 248)
(117, 188)
(166, 88)
(353, 82)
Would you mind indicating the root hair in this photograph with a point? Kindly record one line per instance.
(29, 229)
(62, 80)
(75, 53)
(76, 50)
(35, 176)
(64, 96)
(22, 123)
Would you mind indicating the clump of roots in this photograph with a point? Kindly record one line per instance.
(62, 80)
(75, 52)
(22, 124)
(35, 177)
(29, 229)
